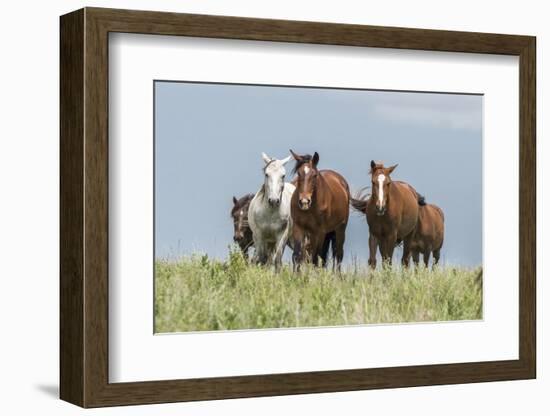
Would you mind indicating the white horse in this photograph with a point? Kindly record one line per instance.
(269, 213)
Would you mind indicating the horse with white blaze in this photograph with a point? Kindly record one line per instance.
(269, 213)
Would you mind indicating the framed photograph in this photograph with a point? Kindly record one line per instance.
(255, 207)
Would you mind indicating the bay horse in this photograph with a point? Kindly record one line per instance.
(269, 213)
(320, 212)
(392, 214)
(242, 234)
(429, 234)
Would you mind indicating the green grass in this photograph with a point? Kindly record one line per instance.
(201, 294)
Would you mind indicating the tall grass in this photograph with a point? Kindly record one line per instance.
(201, 294)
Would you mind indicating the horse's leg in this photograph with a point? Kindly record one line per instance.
(324, 249)
(244, 249)
(437, 254)
(258, 248)
(271, 252)
(338, 247)
(277, 260)
(427, 253)
(297, 252)
(373, 245)
(388, 245)
(296, 256)
(416, 257)
(255, 254)
(259, 255)
(316, 243)
(407, 241)
(384, 251)
(264, 254)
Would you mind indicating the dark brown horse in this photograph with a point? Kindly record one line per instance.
(319, 209)
(428, 237)
(242, 234)
(392, 214)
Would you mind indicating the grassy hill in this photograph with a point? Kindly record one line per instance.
(201, 294)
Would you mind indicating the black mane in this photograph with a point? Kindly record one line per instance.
(241, 203)
(304, 159)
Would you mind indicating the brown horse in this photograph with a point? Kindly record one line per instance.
(242, 234)
(428, 237)
(320, 211)
(392, 214)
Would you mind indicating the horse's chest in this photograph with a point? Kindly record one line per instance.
(383, 226)
(272, 223)
(313, 220)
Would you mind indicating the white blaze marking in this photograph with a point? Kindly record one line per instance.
(306, 170)
(381, 179)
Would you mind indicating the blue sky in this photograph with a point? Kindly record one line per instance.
(209, 139)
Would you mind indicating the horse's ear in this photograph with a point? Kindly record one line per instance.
(315, 159)
(286, 160)
(235, 201)
(266, 158)
(372, 165)
(392, 168)
(295, 156)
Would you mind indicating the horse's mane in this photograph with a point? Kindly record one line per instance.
(241, 203)
(299, 163)
(421, 199)
(378, 166)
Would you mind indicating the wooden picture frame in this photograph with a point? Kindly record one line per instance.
(84, 207)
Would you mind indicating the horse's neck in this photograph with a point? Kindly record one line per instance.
(261, 195)
(396, 194)
(261, 192)
(322, 193)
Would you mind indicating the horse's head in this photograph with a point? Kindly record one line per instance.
(381, 181)
(239, 213)
(307, 173)
(274, 179)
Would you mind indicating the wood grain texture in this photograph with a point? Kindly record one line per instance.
(528, 208)
(84, 207)
(71, 208)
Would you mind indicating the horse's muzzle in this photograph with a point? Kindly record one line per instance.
(304, 204)
(380, 210)
(274, 202)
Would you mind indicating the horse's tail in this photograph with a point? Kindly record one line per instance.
(359, 205)
(421, 199)
(359, 201)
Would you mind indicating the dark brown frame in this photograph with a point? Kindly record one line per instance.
(84, 207)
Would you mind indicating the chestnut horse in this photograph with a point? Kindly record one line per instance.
(242, 234)
(428, 237)
(320, 211)
(392, 214)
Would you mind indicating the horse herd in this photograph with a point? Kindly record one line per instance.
(310, 215)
